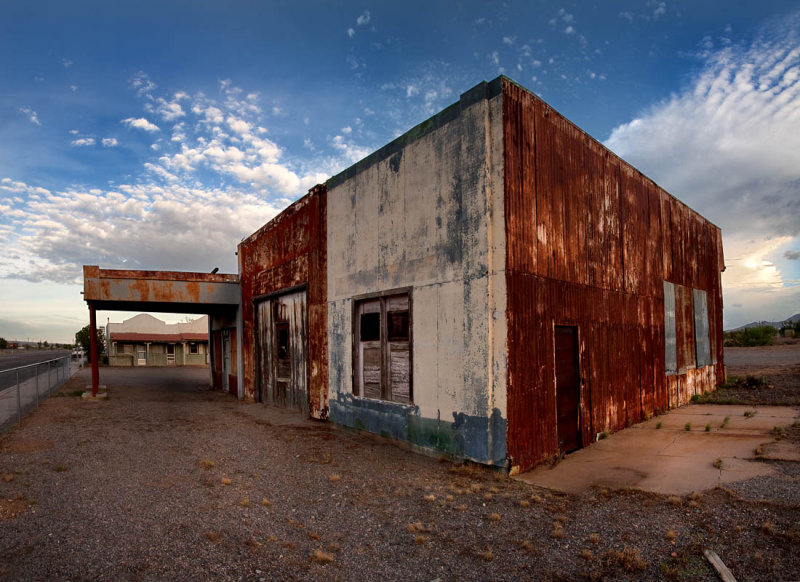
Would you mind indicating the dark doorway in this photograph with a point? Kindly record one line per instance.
(567, 387)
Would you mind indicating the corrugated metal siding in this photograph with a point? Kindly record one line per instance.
(590, 242)
(290, 251)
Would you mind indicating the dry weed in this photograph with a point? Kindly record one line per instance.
(321, 557)
(671, 535)
(629, 558)
(225, 481)
(486, 554)
(494, 517)
(245, 502)
(430, 498)
(524, 503)
(206, 464)
(594, 538)
(211, 536)
(266, 502)
(334, 478)
(8, 477)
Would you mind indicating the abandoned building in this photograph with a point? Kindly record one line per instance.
(144, 340)
(494, 284)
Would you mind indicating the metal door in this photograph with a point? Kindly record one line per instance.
(567, 387)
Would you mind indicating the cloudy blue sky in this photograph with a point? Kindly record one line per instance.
(142, 134)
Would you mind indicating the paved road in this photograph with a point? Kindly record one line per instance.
(17, 358)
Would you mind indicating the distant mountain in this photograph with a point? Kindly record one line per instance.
(776, 324)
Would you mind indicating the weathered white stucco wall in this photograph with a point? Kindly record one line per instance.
(426, 213)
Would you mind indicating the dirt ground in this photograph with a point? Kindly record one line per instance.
(167, 480)
(774, 372)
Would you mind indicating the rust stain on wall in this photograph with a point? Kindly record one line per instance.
(290, 252)
(590, 241)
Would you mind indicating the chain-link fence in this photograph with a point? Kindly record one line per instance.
(22, 388)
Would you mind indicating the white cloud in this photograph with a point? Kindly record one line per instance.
(67, 63)
(169, 110)
(729, 146)
(142, 83)
(351, 32)
(363, 19)
(110, 142)
(83, 142)
(33, 117)
(140, 123)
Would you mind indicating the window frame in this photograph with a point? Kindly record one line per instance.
(382, 298)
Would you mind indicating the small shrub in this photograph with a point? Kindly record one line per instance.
(266, 502)
(725, 422)
(334, 478)
(778, 432)
(708, 427)
(211, 536)
(718, 463)
(587, 555)
(594, 538)
(206, 464)
(687, 427)
(225, 481)
(245, 502)
(524, 503)
(8, 477)
(749, 413)
(674, 500)
(420, 539)
(60, 468)
(768, 528)
(487, 497)
(494, 517)
(430, 498)
(671, 535)
(659, 424)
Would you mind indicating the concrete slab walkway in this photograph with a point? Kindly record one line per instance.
(675, 454)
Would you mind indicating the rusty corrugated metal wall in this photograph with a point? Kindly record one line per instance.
(289, 252)
(590, 242)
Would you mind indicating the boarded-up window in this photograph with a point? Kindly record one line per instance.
(382, 358)
(701, 339)
(670, 341)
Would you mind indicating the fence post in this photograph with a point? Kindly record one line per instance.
(37, 385)
(19, 402)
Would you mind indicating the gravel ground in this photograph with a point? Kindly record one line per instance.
(169, 481)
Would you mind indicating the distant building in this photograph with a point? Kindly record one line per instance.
(144, 340)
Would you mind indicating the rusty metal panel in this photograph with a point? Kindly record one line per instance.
(670, 334)
(290, 251)
(702, 343)
(593, 243)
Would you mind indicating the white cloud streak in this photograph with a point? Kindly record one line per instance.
(729, 146)
(32, 116)
(140, 123)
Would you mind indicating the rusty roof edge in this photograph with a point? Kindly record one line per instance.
(318, 190)
(606, 149)
(482, 91)
(168, 275)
